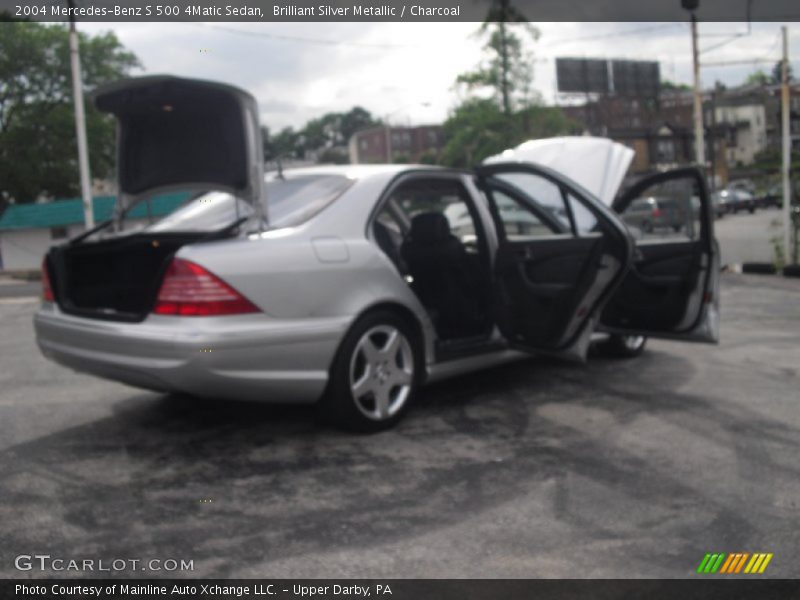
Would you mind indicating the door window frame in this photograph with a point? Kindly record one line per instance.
(604, 214)
(626, 198)
(444, 174)
(609, 224)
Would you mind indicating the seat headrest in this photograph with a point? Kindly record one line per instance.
(429, 228)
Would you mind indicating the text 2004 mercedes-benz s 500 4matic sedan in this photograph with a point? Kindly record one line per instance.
(351, 286)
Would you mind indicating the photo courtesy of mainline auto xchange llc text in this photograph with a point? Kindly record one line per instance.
(357, 300)
(218, 590)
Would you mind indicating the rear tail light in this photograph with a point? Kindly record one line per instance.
(656, 212)
(47, 288)
(189, 290)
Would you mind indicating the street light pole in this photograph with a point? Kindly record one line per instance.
(787, 145)
(80, 121)
(699, 142)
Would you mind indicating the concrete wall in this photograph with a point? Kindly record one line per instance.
(24, 248)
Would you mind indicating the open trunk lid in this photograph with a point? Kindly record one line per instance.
(184, 134)
(173, 134)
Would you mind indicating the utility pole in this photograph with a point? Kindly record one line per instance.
(699, 142)
(787, 145)
(80, 121)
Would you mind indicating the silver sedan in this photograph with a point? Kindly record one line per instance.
(350, 286)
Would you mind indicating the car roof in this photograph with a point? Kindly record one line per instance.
(354, 171)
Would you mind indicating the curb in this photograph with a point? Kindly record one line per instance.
(759, 268)
(791, 271)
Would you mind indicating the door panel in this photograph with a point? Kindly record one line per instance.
(669, 290)
(539, 284)
(552, 271)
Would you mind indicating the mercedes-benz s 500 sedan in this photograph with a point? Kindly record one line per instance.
(351, 286)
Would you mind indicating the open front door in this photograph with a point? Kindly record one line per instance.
(672, 288)
(560, 255)
(184, 134)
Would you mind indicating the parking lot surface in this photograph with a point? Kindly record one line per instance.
(536, 469)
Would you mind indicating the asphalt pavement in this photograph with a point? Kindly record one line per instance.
(14, 288)
(630, 468)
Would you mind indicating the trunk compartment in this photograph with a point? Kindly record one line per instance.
(115, 279)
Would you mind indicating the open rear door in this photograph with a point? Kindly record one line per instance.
(672, 288)
(561, 253)
(184, 134)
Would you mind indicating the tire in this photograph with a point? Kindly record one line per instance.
(374, 375)
(751, 209)
(623, 346)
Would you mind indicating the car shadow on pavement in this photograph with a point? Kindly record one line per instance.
(234, 485)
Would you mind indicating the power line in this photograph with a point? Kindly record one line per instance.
(765, 57)
(602, 36)
(329, 42)
(299, 39)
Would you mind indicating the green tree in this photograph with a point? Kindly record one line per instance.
(284, 144)
(478, 128)
(333, 156)
(38, 154)
(335, 129)
(671, 86)
(429, 157)
(757, 78)
(317, 136)
(355, 120)
(777, 72)
(509, 69)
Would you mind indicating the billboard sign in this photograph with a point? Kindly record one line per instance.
(601, 76)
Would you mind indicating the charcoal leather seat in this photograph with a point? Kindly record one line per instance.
(440, 268)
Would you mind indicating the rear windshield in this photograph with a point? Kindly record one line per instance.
(290, 201)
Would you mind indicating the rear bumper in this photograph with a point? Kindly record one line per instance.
(247, 357)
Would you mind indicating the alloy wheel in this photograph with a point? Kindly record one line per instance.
(381, 372)
(632, 342)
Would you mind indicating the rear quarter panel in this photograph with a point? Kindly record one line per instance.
(326, 268)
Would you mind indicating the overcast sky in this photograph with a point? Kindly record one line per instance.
(405, 71)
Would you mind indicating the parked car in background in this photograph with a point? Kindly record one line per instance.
(733, 200)
(651, 214)
(744, 185)
(773, 196)
(350, 286)
(718, 205)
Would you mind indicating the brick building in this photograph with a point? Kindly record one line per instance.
(658, 130)
(395, 144)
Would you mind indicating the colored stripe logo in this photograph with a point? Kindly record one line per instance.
(735, 562)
